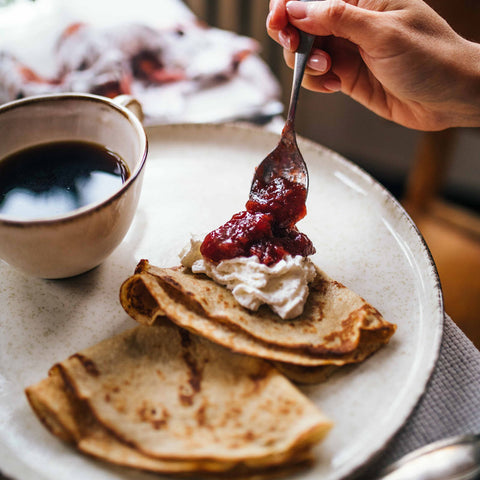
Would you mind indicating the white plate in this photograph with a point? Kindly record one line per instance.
(197, 177)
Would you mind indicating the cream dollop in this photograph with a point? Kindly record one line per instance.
(283, 286)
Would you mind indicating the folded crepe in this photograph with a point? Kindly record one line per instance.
(160, 399)
(337, 326)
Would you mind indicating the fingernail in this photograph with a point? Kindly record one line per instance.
(297, 10)
(284, 40)
(318, 62)
(269, 17)
(332, 84)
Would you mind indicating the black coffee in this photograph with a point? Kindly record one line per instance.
(55, 178)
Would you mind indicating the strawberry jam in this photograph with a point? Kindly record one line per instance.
(266, 228)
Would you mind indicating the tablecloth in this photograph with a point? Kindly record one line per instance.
(449, 406)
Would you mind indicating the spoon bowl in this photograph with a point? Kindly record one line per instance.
(285, 160)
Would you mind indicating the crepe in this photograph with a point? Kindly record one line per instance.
(158, 398)
(306, 375)
(71, 419)
(337, 326)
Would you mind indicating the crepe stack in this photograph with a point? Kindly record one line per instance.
(161, 399)
(337, 327)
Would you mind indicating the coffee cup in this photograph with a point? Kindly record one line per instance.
(69, 243)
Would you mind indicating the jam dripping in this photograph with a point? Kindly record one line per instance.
(266, 228)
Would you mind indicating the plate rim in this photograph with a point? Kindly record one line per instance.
(15, 468)
(437, 335)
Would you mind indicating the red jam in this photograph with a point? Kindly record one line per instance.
(266, 228)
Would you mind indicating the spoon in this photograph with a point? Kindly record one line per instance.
(455, 458)
(285, 160)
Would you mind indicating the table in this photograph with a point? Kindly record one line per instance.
(449, 406)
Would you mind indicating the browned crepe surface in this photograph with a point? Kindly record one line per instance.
(161, 399)
(337, 326)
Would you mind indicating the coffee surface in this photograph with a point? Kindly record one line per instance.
(55, 178)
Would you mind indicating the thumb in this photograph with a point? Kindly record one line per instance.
(335, 17)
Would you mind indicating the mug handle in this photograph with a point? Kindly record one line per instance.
(131, 103)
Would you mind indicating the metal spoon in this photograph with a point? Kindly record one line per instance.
(285, 160)
(455, 458)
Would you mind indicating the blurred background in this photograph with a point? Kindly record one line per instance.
(436, 176)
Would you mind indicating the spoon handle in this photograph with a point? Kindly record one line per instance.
(455, 458)
(301, 57)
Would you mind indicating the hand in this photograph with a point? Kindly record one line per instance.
(398, 58)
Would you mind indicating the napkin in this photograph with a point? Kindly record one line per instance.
(450, 405)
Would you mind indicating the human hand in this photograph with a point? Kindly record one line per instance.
(398, 58)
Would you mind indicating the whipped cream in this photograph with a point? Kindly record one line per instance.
(283, 286)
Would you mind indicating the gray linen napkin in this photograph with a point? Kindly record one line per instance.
(450, 405)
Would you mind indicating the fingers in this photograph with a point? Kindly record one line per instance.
(318, 76)
(279, 28)
(328, 83)
(277, 18)
(318, 63)
(334, 17)
(325, 19)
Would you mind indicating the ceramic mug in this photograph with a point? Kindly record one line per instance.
(72, 243)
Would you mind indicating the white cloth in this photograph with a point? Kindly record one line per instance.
(223, 77)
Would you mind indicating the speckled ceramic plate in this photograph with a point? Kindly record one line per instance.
(197, 176)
